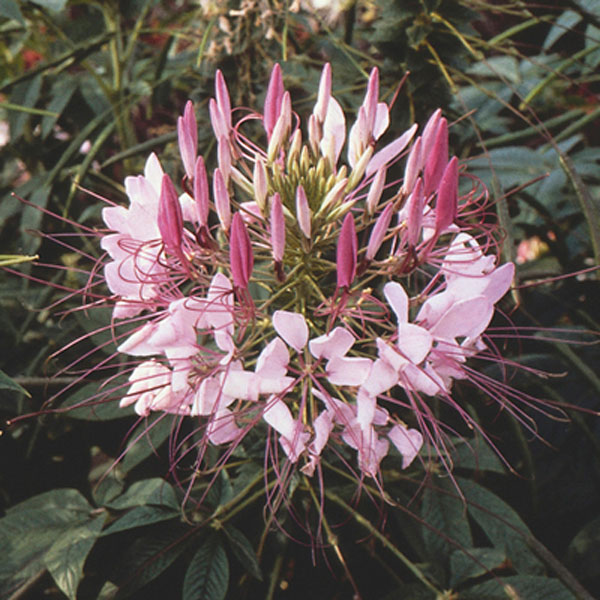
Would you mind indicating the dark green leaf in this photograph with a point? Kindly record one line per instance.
(24, 94)
(525, 587)
(149, 491)
(95, 404)
(64, 499)
(6, 383)
(31, 219)
(66, 557)
(207, 576)
(62, 91)
(140, 516)
(148, 557)
(445, 511)
(476, 454)
(473, 562)
(10, 10)
(504, 528)
(146, 438)
(243, 550)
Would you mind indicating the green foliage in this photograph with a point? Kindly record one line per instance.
(115, 76)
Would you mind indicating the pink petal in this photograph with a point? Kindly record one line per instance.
(437, 159)
(348, 371)
(221, 428)
(292, 328)
(407, 441)
(324, 94)
(223, 101)
(414, 342)
(379, 231)
(335, 343)
(397, 299)
(222, 201)
(388, 153)
(273, 360)
(467, 318)
(201, 191)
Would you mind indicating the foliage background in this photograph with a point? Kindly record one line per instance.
(87, 90)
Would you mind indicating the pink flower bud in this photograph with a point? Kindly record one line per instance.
(273, 100)
(170, 218)
(216, 119)
(346, 253)
(375, 191)
(447, 197)
(222, 202)
(303, 212)
(379, 230)
(282, 128)
(413, 167)
(187, 135)
(437, 159)
(224, 158)
(371, 99)
(277, 228)
(429, 132)
(241, 257)
(414, 213)
(223, 101)
(320, 109)
(260, 183)
(201, 191)
(314, 134)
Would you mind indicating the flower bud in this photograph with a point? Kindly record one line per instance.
(187, 136)
(303, 212)
(201, 191)
(277, 228)
(170, 218)
(222, 202)
(346, 253)
(241, 257)
(379, 230)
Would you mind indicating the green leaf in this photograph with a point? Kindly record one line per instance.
(53, 5)
(95, 404)
(445, 512)
(141, 516)
(63, 499)
(62, 91)
(473, 562)
(31, 219)
(24, 94)
(520, 586)
(476, 454)
(563, 24)
(148, 557)
(146, 438)
(67, 555)
(149, 491)
(10, 10)
(207, 576)
(243, 550)
(6, 383)
(501, 524)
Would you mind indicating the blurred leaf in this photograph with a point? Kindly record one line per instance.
(243, 551)
(521, 586)
(141, 516)
(31, 218)
(10, 10)
(473, 562)
(584, 549)
(562, 25)
(62, 92)
(149, 491)
(207, 576)
(6, 383)
(24, 94)
(53, 5)
(67, 555)
(501, 524)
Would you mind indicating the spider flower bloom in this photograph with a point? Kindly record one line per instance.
(308, 366)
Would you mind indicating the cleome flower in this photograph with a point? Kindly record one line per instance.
(297, 287)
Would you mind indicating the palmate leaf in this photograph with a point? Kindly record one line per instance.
(207, 576)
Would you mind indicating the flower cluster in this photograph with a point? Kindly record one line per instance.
(323, 300)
